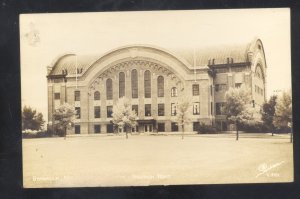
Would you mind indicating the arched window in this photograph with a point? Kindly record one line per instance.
(258, 72)
(134, 83)
(96, 95)
(174, 92)
(160, 86)
(109, 89)
(147, 84)
(121, 84)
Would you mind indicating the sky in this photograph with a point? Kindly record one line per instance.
(45, 37)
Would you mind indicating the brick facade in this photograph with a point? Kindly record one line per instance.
(176, 72)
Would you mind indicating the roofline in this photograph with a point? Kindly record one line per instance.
(54, 63)
(183, 61)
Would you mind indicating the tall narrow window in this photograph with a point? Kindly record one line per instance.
(220, 108)
(109, 89)
(174, 92)
(147, 84)
(161, 109)
(136, 109)
(109, 111)
(160, 86)
(195, 89)
(96, 95)
(121, 84)
(196, 108)
(174, 126)
(173, 109)
(77, 129)
(97, 128)
(77, 95)
(134, 83)
(77, 109)
(97, 111)
(56, 96)
(147, 109)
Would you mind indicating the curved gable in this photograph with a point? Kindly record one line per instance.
(135, 53)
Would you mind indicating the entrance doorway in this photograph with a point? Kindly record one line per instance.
(148, 128)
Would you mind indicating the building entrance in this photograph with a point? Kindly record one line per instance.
(148, 128)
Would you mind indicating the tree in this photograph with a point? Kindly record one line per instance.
(238, 106)
(283, 111)
(182, 115)
(123, 115)
(31, 119)
(268, 113)
(64, 117)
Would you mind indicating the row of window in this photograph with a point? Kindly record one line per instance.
(147, 85)
(160, 127)
(135, 87)
(160, 110)
(236, 69)
(259, 90)
(224, 87)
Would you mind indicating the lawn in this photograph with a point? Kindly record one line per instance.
(156, 160)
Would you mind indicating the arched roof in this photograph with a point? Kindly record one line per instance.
(220, 54)
(239, 54)
(68, 62)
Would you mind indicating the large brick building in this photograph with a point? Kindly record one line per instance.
(153, 78)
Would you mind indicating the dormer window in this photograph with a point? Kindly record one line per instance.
(259, 47)
(79, 70)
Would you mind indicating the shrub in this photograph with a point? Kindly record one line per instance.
(206, 129)
(256, 127)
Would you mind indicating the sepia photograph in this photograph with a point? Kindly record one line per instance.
(186, 97)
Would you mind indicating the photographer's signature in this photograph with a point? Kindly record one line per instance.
(265, 169)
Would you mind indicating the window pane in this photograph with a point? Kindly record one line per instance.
(196, 126)
(77, 109)
(160, 86)
(196, 108)
(109, 111)
(220, 87)
(136, 109)
(97, 95)
(57, 96)
(77, 129)
(109, 128)
(220, 108)
(195, 89)
(134, 83)
(161, 127)
(147, 84)
(173, 109)
(147, 109)
(161, 109)
(77, 95)
(174, 92)
(109, 89)
(97, 111)
(121, 84)
(174, 126)
(97, 128)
